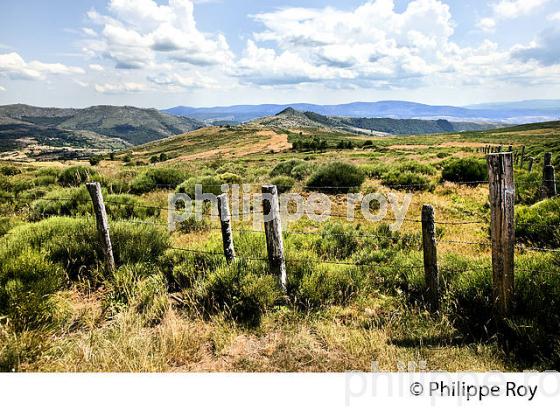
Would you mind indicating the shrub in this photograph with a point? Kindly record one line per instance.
(230, 178)
(285, 167)
(209, 184)
(142, 184)
(95, 160)
(301, 171)
(283, 183)
(77, 175)
(26, 282)
(62, 202)
(137, 287)
(244, 289)
(336, 240)
(374, 170)
(539, 224)
(72, 244)
(406, 180)
(465, 170)
(163, 157)
(194, 224)
(312, 285)
(417, 168)
(126, 206)
(9, 170)
(528, 187)
(336, 177)
(157, 177)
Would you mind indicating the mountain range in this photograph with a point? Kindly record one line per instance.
(95, 128)
(511, 113)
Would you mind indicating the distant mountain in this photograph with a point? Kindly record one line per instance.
(290, 118)
(541, 105)
(508, 112)
(131, 124)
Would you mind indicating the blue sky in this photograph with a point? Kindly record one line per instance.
(222, 52)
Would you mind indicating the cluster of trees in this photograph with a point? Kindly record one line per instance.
(314, 144)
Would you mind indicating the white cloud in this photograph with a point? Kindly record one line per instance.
(13, 66)
(2, 88)
(370, 43)
(96, 67)
(486, 24)
(373, 46)
(176, 81)
(554, 16)
(509, 9)
(141, 33)
(120, 88)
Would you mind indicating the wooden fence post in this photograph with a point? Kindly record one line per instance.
(502, 199)
(273, 232)
(510, 148)
(431, 272)
(225, 223)
(522, 157)
(549, 179)
(531, 160)
(94, 189)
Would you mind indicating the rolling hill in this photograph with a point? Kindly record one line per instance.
(290, 118)
(130, 124)
(67, 133)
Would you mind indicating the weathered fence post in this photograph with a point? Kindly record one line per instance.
(431, 272)
(531, 160)
(94, 189)
(549, 179)
(510, 148)
(273, 232)
(225, 223)
(522, 157)
(502, 198)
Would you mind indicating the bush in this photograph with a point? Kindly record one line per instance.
(156, 177)
(336, 241)
(285, 167)
(374, 170)
(417, 168)
(194, 224)
(26, 282)
(126, 206)
(71, 243)
(209, 184)
(77, 175)
(9, 170)
(244, 289)
(62, 202)
(312, 285)
(301, 171)
(465, 170)
(528, 187)
(95, 160)
(406, 180)
(539, 224)
(283, 183)
(137, 287)
(230, 178)
(336, 177)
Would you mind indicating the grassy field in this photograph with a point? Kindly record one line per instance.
(355, 289)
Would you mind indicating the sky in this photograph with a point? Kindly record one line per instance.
(163, 53)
